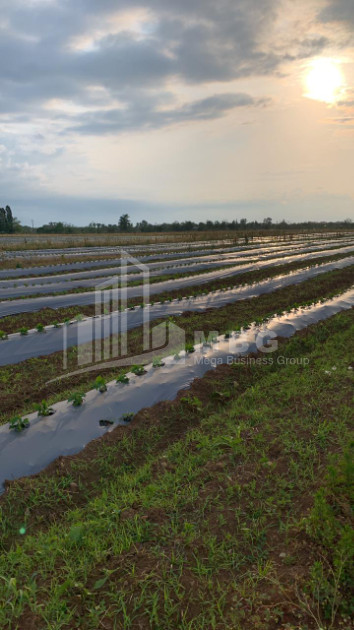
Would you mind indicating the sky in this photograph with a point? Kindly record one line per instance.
(177, 110)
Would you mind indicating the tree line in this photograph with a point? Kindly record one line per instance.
(9, 224)
(125, 225)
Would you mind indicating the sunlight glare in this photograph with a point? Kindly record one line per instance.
(324, 80)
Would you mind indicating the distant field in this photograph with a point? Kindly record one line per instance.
(51, 241)
(159, 467)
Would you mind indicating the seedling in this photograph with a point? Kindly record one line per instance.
(77, 398)
(127, 417)
(157, 363)
(3, 335)
(106, 423)
(23, 330)
(40, 328)
(189, 348)
(123, 378)
(138, 370)
(44, 409)
(100, 384)
(19, 424)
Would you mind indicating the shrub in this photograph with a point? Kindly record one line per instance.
(3, 335)
(189, 348)
(40, 328)
(23, 330)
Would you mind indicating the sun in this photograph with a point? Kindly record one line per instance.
(324, 80)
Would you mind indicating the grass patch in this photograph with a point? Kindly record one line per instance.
(227, 508)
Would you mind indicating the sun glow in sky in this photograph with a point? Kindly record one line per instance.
(324, 80)
(232, 109)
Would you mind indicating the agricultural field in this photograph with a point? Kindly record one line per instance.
(176, 416)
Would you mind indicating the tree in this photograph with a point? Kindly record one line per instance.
(9, 220)
(2, 220)
(124, 223)
(267, 222)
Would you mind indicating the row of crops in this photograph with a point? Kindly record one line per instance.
(162, 369)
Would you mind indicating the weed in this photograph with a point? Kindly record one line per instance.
(23, 330)
(189, 348)
(40, 328)
(193, 402)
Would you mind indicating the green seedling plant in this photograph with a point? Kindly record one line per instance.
(23, 330)
(123, 378)
(44, 409)
(77, 398)
(40, 328)
(138, 370)
(189, 348)
(157, 362)
(18, 424)
(106, 422)
(100, 384)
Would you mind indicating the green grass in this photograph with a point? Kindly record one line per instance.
(228, 508)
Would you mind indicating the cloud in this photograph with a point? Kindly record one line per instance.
(145, 116)
(199, 41)
(338, 11)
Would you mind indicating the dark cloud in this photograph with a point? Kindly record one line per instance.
(145, 116)
(339, 11)
(195, 41)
